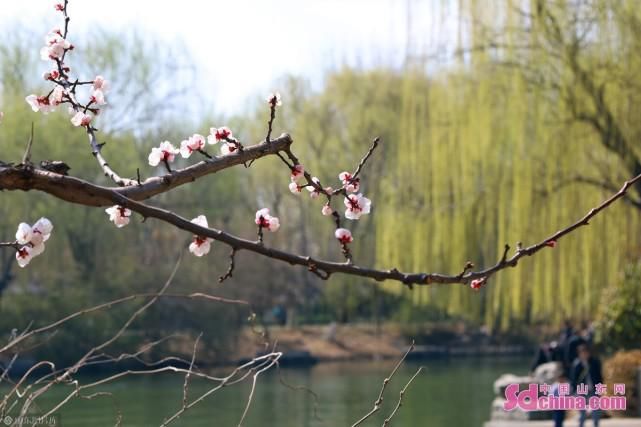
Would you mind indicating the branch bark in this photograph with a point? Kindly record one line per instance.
(76, 190)
(82, 192)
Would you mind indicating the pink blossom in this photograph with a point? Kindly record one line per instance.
(41, 231)
(165, 152)
(344, 235)
(32, 239)
(55, 46)
(219, 134)
(195, 142)
(327, 210)
(59, 7)
(119, 215)
(314, 192)
(99, 83)
(350, 184)
(81, 119)
(98, 97)
(228, 148)
(551, 243)
(265, 220)
(356, 205)
(298, 173)
(35, 235)
(274, 100)
(56, 95)
(200, 245)
(39, 103)
(24, 233)
(477, 284)
(295, 188)
(24, 256)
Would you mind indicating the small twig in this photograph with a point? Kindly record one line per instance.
(379, 401)
(260, 364)
(270, 123)
(468, 266)
(400, 398)
(191, 367)
(313, 268)
(301, 388)
(230, 269)
(166, 162)
(259, 370)
(205, 153)
(366, 157)
(26, 158)
(260, 234)
(67, 375)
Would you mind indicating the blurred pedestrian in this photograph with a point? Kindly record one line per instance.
(586, 372)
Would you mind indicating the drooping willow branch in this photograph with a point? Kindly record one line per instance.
(81, 192)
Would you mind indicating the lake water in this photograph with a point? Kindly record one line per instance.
(452, 392)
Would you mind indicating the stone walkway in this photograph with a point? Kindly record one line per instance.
(610, 422)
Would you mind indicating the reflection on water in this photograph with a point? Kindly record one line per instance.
(454, 392)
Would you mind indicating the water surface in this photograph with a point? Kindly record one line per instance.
(452, 392)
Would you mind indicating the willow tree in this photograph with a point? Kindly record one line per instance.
(533, 122)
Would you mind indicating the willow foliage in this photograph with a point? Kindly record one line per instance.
(489, 148)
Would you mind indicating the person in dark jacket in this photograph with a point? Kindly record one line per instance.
(558, 415)
(547, 352)
(586, 370)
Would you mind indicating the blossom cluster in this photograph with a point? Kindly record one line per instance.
(356, 205)
(31, 240)
(166, 152)
(55, 50)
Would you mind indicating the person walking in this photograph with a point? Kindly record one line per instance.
(586, 374)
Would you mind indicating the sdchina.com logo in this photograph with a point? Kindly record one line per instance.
(540, 397)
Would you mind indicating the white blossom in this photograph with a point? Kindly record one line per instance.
(265, 220)
(81, 119)
(119, 215)
(200, 245)
(195, 142)
(165, 152)
(343, 235)
(356, 205)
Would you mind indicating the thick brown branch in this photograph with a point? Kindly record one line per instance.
(78, 191)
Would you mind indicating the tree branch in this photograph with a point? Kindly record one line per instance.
(82, 192)
(76, 190)
(379, 401)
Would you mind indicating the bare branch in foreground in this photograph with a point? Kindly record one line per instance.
(400, 397)
(254, 366)
(67, 375)
(379, 400)
(191, 367)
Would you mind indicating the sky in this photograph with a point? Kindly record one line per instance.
(242, 47)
